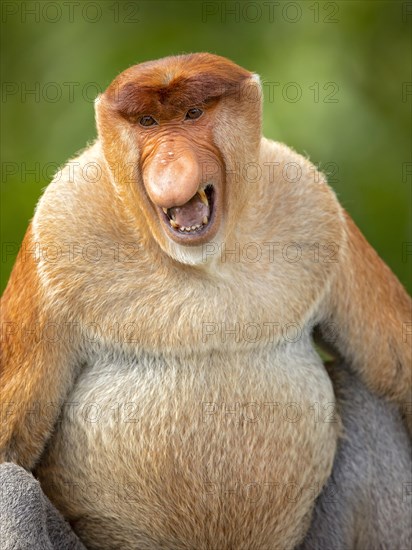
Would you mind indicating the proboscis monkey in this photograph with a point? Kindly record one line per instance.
(157, 323)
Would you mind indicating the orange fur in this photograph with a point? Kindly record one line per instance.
(35, 371)
(372, 313)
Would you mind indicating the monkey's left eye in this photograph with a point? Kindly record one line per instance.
(147, 121)
(194, 113)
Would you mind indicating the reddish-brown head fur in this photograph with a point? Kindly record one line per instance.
(168, 86)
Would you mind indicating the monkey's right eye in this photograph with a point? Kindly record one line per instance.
(147, 121)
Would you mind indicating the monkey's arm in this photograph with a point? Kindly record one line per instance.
(37, 362)
(372, 314)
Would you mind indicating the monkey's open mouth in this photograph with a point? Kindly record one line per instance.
(193, 218)
(192, 215)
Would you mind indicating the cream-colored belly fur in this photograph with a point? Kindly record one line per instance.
(224, 451)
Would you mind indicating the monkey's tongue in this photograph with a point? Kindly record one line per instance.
(193, 213)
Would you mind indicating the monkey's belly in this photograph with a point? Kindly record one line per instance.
(221, 452)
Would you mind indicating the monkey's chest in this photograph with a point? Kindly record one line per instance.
(221, 452)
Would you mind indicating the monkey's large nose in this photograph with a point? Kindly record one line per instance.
(172, 179)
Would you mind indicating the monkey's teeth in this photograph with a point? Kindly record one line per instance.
(203, 197)
(184, 229)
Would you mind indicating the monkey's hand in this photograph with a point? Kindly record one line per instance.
(37, 361)
(371, 316)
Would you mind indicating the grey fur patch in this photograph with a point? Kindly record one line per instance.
(367, 502)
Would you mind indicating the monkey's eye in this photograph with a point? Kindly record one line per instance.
(194, 113)
(147, 121)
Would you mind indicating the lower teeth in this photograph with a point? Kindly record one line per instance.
(184, 229)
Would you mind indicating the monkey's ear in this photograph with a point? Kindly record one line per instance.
(98, 106)
(97, 100)
(256, 78)
(371, 314)
(253, 87)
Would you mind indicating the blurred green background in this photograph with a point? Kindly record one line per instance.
(336, 80)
